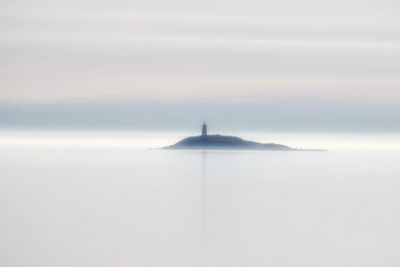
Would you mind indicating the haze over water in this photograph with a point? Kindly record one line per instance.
(157, 139)
(70, 203)
(90, 89)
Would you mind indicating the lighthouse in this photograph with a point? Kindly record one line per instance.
(204, 129)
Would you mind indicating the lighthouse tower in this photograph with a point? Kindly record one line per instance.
(204, 130)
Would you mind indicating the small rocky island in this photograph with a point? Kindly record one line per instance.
(205, 141)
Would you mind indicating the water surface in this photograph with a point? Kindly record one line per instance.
(115, 206)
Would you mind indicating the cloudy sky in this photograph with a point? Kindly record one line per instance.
(290, 64)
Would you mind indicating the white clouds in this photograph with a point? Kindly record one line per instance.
(52, 50)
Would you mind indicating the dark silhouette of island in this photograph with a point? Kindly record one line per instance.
(205, 141)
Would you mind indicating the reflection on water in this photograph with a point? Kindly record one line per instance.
(122, 207)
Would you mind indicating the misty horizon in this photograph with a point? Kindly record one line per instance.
(213, 133)
(254, 116)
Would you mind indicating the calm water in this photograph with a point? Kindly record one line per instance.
(113, 206)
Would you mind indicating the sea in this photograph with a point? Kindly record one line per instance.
(101, 199)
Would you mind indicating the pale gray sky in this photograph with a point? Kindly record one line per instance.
(339, 53)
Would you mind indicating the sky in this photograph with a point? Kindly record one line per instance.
(276, 65)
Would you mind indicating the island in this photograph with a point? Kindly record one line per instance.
(206, 142)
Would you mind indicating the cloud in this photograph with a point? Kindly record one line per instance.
(337, 52)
